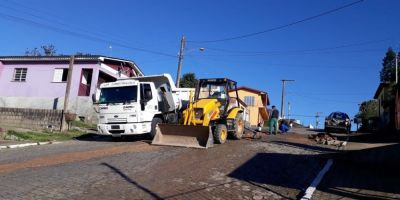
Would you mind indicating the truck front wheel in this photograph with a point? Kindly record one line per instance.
(154, 124)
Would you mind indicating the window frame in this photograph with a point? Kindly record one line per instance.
(249, 100)
(20, 75)
(65, 70)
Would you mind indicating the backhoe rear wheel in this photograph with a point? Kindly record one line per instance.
(239, 126)
(220, 133)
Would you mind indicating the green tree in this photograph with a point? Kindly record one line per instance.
(82, 54)
(188, 80)
(367, 110)
(388, 71)
(49, 50)
(32, 52)
(44, 50)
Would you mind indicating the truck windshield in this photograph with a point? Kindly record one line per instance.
(118, 95)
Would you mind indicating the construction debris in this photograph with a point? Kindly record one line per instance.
(250, 134)
(326, 138)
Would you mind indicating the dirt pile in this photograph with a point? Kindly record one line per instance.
(326, 139)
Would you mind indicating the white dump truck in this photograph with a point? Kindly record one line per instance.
(136, 105)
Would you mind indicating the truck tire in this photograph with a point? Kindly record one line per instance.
(220, 133)
(239, 127)
(154, 123)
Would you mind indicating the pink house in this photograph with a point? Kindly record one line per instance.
(40, 81)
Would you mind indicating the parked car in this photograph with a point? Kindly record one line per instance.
(338, 121)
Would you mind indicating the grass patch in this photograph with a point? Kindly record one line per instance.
(81, 124)
(44, 136)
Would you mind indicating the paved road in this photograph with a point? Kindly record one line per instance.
(275, 167)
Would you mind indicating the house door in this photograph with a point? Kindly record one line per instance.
(85, 83)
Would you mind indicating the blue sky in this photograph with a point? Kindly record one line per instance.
(334, 59)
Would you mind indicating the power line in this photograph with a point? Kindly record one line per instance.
(293, 54)
(77, 34)
(324, 100)
(282, 26)
(329, 94)
(283, 65)
(300, 50)
(311, 116)
(55, 19)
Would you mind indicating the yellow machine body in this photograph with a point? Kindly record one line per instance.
(197, 124)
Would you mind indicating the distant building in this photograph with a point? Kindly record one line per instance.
(256, 102)
(40, 81)
(387, 106)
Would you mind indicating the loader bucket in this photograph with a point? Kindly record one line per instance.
(183, 136)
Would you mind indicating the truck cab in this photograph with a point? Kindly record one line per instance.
(126, 107)
(136, 105)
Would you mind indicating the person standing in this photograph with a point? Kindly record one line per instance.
(273, 122)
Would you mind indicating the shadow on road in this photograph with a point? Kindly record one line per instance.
(129, 180)
(356, 180)
(101, 138)
(318, 149)
(358, 174)
(274, 171)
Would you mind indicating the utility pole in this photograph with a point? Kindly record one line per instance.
(64, 123)
(180, 59)
(397, 76)
(283, 96)
(289, 111)
(317, 119)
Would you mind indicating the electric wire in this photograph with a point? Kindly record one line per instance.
(282, 26)
(78, 35)
(297, 51)
(323, 100)
(57, 20)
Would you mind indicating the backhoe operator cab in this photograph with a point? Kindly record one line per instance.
(218, 89)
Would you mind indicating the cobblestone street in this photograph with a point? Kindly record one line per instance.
(275, 167)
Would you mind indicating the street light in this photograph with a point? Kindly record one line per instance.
(180, 59)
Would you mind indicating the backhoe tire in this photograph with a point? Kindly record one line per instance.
(239, 127)
(220, 133)
(154, 123)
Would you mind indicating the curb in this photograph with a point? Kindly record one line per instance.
(13, 146)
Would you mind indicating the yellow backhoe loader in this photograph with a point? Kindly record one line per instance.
(210, 117)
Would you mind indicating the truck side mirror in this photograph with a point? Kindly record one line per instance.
(94, 100)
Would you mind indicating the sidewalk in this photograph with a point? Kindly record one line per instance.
(9, 144)
(12, 142)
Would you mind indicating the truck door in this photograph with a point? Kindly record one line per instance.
(148, 103)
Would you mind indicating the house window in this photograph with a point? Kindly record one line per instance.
(249, 100)
(60, 75)
(20, 74)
